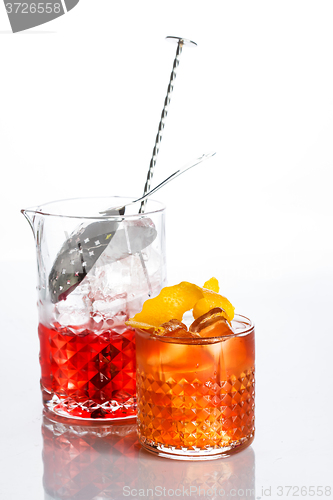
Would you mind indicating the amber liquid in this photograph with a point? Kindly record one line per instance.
(195, 395)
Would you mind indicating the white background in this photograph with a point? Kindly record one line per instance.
(80, 102)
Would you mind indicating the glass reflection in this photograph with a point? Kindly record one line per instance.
(229, 477)
(103, 462)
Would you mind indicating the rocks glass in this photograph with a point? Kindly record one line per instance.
(195, 396)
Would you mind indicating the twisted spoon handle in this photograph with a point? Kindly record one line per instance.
(181, 42)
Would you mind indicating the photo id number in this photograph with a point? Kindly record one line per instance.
(303, 491)
(33, 8)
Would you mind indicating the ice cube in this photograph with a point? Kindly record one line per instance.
(130, 238)
(117, 286)
(175, 328)
(97, 244)
(211, 324)
(110, 312)
(110, 306)
(74, 311)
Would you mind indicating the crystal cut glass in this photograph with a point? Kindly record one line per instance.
(94, 272)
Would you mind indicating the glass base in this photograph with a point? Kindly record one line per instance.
(89, 410)
(195, 453)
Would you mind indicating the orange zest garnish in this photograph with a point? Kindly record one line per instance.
(173, 301)
(212, 285)
(211, 300)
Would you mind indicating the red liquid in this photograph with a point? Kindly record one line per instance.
(92, 375)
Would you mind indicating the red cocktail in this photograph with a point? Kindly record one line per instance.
(90, 374)
(95, 270)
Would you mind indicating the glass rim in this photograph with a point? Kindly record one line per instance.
(204, 340)
(39, 208)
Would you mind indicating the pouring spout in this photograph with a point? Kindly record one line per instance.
(29, 215)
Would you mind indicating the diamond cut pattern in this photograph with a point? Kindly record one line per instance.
(197, 414)
(99, 368)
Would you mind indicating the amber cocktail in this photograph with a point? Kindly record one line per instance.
(195, 396)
